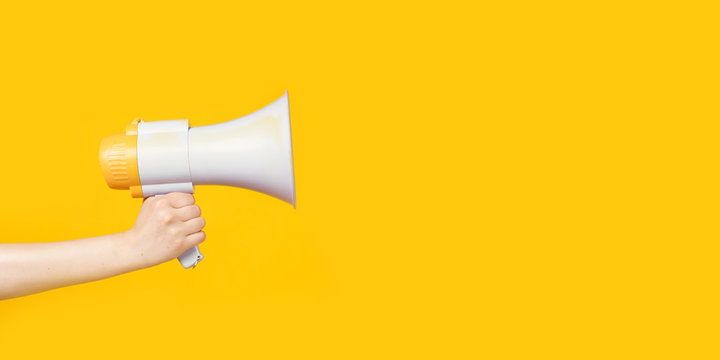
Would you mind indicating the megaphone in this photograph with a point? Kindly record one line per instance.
(158, 157)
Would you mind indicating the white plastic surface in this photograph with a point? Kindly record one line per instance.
(191, 257)
(162, 153)
(155, 189)
(253, 152)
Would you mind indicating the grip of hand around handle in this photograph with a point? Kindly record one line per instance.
(191, 257)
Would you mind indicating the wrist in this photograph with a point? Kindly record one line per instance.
(126, 251)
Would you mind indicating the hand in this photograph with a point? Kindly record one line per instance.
(165, 227)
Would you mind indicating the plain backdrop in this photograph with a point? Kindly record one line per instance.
(474, 179)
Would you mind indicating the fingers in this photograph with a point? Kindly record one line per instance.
(193, 225)
(195, 239)
(188, 212)
(194, 228)
(178, 199)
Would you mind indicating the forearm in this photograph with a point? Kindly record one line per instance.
(165, 228)
(28, 268)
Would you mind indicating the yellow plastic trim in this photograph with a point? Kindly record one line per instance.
(118, 160)
(131, 128)
(136, 191)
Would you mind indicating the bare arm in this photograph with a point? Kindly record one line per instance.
(165, 228)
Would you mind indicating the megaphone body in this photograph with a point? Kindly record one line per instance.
(158, 157)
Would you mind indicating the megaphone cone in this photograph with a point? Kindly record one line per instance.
(252, 152)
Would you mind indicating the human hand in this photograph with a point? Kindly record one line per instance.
(165, 227)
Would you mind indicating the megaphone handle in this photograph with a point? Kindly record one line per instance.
(191, 257)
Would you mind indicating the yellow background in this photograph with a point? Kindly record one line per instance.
(474, 180)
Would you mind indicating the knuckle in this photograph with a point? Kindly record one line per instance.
(201, 236)
(167, 217)
(173, 232)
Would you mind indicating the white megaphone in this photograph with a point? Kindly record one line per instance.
(158, 157)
